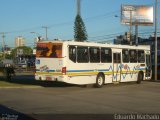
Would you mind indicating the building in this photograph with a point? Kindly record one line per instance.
(124, 39)
(19, 41)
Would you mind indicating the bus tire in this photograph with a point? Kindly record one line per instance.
(99, 81)
(140, 77)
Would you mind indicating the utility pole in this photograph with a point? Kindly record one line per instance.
(3, 44)
(136, 33)
(130, 27)
(78, 7)
(156, 23)
(46, 28)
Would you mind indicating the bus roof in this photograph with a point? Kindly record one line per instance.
(95, 44)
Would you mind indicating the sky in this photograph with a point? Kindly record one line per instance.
(21, 17)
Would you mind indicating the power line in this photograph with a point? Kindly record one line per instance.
(107, 35)
(108, 14)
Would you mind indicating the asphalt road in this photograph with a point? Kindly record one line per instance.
(126, 98)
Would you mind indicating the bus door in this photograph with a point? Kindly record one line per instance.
(116, 66)
(148, 66)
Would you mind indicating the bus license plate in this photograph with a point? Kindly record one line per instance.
(48, 78)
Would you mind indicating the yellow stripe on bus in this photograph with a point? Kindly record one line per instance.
(86, 73)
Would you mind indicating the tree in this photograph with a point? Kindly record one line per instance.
(26, 51)
(8, 56)
(80, 33)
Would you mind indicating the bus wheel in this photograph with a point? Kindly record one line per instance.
(140, 77)
(99, 81)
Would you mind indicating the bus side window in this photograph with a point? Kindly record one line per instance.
(94, 55)
(72, 53)
(141, 56)
(106, 55)
(133, 56)
(125, 55)
(82, 55)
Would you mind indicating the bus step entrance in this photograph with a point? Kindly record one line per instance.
(116, 82)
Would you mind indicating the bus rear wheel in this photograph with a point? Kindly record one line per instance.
(99, 81)
(140, 77)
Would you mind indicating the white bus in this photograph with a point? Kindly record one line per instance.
(91, 63)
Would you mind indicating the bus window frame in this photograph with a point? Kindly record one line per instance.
(97, 60)
(104, 60)
(128, 60)
(82, 56)
(75, 53)
(135, 58)
(142, 61)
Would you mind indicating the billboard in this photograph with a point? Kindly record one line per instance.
(137, 15)
(19, 51)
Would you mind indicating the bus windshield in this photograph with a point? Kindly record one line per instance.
(49, 50)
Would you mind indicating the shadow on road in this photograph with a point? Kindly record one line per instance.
(28, 79)
(10, 114)
(23, 79)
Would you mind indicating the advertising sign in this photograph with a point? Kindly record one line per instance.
(137, 14)
(19, 51)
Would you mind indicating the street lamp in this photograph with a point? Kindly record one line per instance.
(38, 37)
(35, 33)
